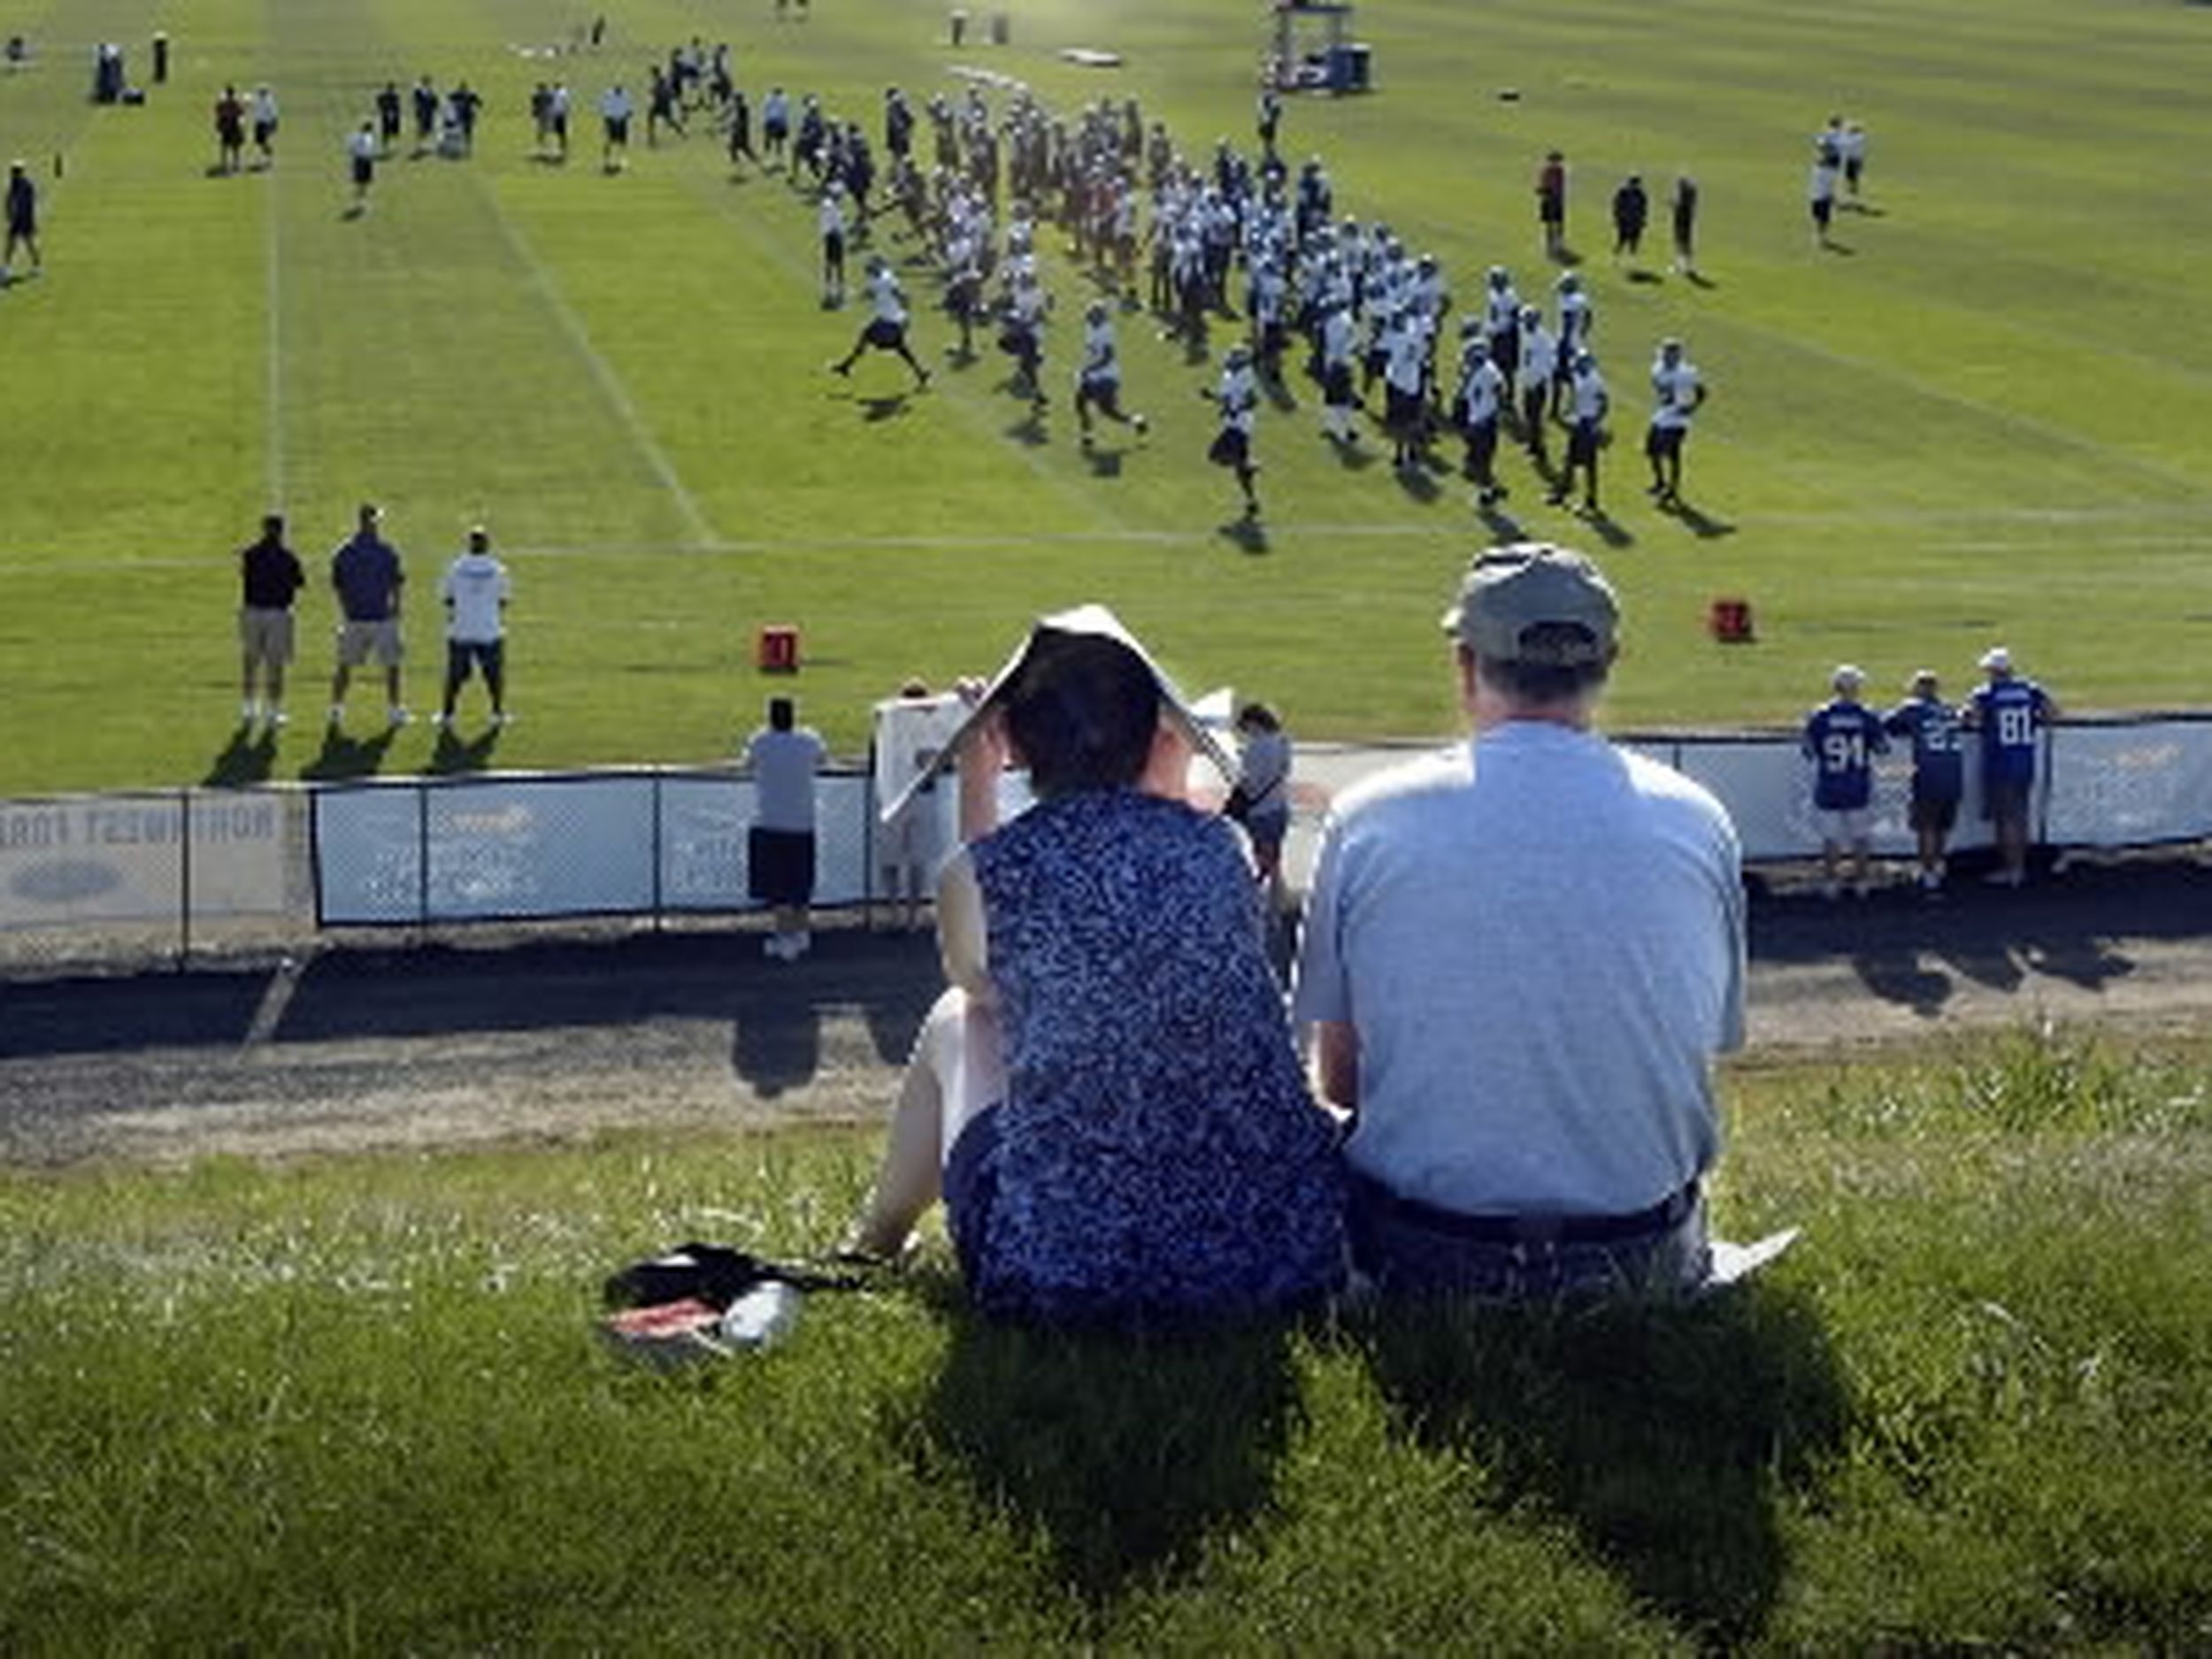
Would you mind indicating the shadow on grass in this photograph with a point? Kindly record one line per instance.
(456, 754)
(248, 758)
(1663, 1434)
(343, 756)
(1124, 1453)
(1501, 525)
(1247, 534)
(1413, 478)
(1608, 529)
(1697, 521)
(1350, 456)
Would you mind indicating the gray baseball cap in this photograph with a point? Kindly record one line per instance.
(1509, 591)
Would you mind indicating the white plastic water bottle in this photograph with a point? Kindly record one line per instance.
(760, 1317)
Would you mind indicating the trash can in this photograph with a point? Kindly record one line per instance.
(161, 58)
(959, 27)
(1001, 28)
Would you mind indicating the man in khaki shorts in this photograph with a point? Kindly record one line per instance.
(366, 570)
(270, 576)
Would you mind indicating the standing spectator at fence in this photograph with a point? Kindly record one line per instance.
(1938, 768)
(369, 579)
(22, 212)
(1260, 800)
(475, 592)
(911, 730)
(270, 577)
(1841, 738)
(2009, 713)
(1519, 958)
(783, 758)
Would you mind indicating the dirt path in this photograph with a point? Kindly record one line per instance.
(443, 1046)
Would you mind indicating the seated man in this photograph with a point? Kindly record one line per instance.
(1519, 958)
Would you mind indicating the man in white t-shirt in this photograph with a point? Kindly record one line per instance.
(783, 758)
(615, 109)
(475, 591)
(1588, 403)
(1519, 958)
(1677, 393)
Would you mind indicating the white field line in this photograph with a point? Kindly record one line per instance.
(702, 537)
(274, 347)
(1461, 533)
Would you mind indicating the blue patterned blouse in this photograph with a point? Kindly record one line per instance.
(1158, 1158)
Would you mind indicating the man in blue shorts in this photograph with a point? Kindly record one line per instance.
(2010, 712)
(1841, 738)
(1519, 958)
(1938, 768)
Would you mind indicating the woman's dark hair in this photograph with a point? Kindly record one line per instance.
(1257, 716)
(1081, 714)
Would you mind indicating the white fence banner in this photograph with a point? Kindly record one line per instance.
(368, 854)
(2129, 785)
(95, 860)
(523, 848)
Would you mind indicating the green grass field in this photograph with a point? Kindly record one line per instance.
(1986, 420)
(354, 1405)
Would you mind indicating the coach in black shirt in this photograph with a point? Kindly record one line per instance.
(270, 576)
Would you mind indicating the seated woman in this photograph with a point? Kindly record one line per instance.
(1108, 1097)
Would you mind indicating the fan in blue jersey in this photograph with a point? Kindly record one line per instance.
(1933, 726)
(1842, 737)
(2008, 712)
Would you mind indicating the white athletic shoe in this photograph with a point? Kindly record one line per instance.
(277, 717)
(399, 715)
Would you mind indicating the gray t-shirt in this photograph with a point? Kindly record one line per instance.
(1539, 940)
(783, 765)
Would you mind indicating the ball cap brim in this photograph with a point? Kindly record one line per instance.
(1510, 593)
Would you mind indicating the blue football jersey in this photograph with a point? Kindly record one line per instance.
(1938, 746)
(2009, 713)
(1841, 740)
